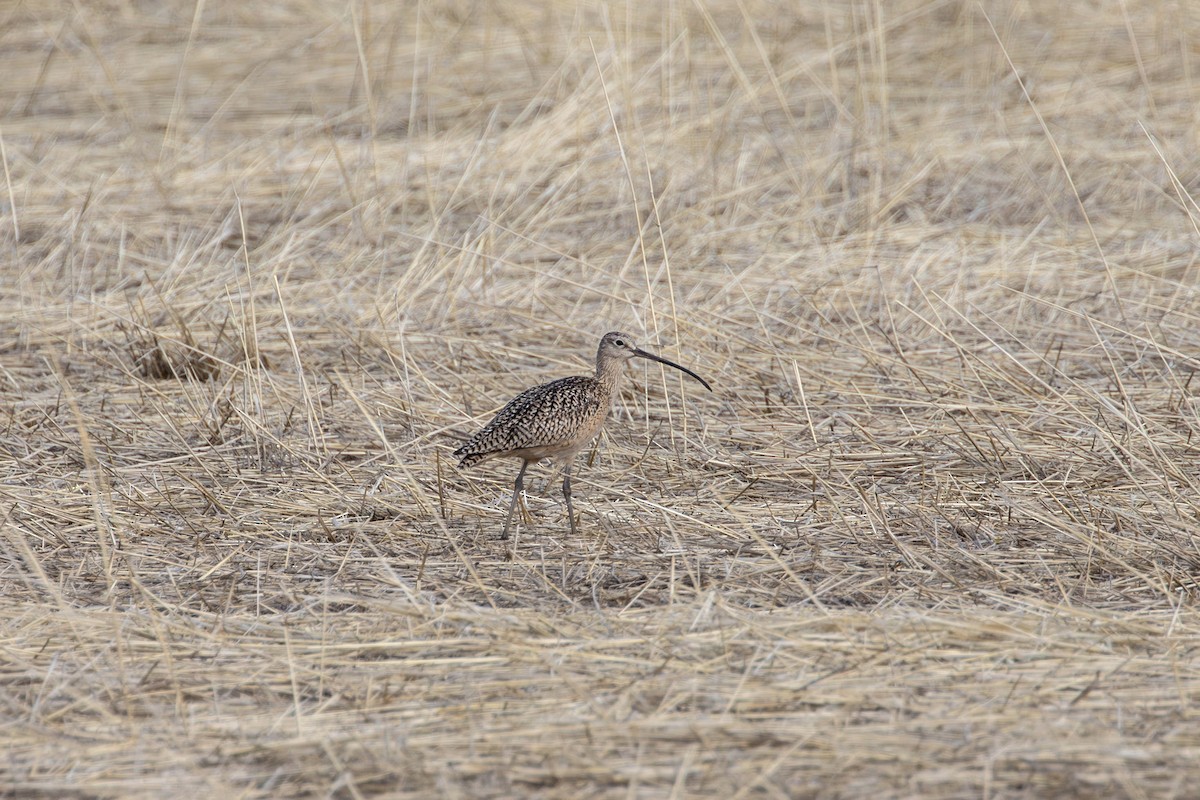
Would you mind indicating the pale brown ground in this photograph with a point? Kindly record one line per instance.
(935, 534)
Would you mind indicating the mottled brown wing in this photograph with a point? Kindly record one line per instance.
(548, 415)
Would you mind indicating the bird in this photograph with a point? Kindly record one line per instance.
(558, 419)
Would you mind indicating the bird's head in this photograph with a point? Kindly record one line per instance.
(617, 346)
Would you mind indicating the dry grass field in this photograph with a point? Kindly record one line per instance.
(936, 534)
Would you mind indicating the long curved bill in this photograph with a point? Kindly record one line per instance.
(642, 353)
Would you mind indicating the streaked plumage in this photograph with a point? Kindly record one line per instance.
(558, 419)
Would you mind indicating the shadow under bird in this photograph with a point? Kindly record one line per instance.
(558, 419)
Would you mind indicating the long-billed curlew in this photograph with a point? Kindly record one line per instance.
(558, 419)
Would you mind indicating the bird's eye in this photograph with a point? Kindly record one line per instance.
(619, 342)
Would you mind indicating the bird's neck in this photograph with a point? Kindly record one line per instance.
(609, 373)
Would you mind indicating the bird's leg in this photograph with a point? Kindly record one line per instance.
(518, 487)
(567, 495)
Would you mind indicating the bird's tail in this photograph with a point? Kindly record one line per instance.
(469, 459)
